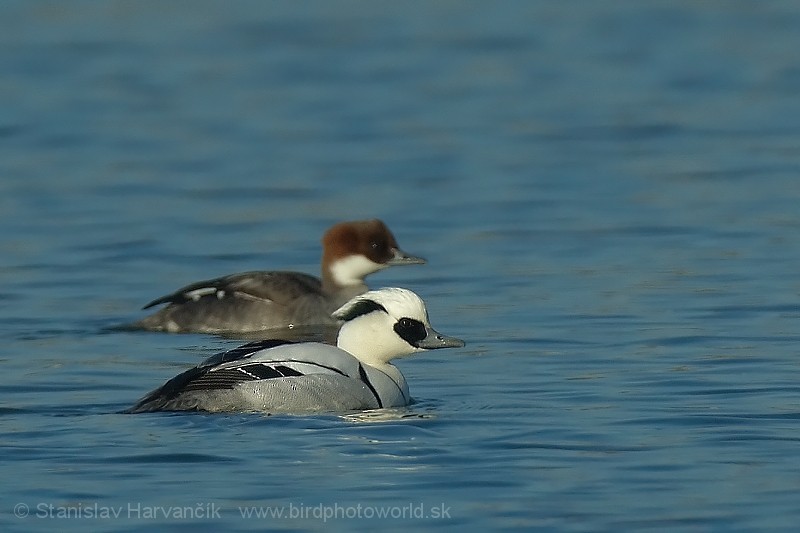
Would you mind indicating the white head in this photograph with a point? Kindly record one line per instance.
(383, 324)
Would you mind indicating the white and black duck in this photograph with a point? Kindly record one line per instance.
(284, 377)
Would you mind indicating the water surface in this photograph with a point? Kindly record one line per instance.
(607, 195)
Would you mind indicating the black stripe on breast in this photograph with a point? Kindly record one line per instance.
(362, 373)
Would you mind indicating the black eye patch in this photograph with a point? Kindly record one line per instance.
(410, 330)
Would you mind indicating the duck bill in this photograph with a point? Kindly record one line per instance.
(399, 257)
(435, 340)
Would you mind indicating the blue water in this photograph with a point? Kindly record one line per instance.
(608, 195)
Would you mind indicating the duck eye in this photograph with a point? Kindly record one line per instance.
(379, 243)
(410, 330)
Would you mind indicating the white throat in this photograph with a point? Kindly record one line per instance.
(352, 270)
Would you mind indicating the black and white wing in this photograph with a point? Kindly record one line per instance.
(204, 376)
(252, 362)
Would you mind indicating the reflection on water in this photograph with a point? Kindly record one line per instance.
(386, 415)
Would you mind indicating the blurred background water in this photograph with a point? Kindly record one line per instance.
(607, 194)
